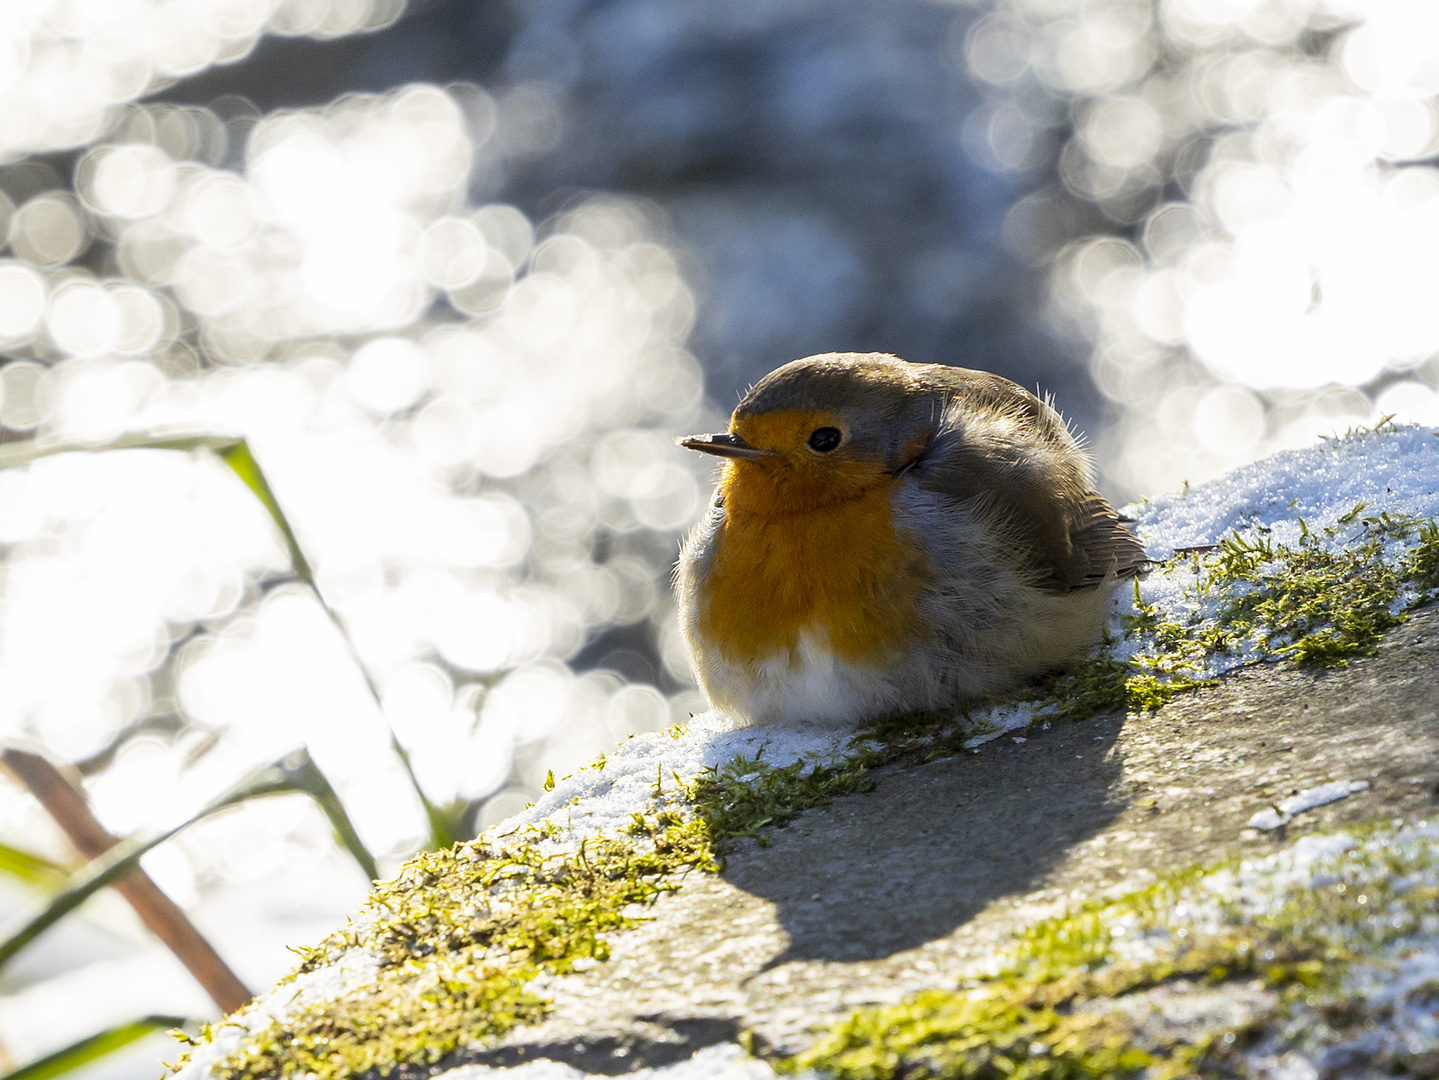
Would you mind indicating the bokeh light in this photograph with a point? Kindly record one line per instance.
(466, 414)
(466, 408)
(64, 66)
(1269, 202)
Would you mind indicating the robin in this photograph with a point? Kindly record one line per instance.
(889, 538)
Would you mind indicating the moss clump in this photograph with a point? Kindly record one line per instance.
(1103, 683)
(1035, 1019)
(747, 794)
(985, 1037)
(1421, 564)
(1252, 599)
(1048, 1014)
(1316, 603)
(1319, 606)
(1020, 1026)
(458, 935)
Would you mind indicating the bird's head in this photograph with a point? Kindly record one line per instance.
(820, 431)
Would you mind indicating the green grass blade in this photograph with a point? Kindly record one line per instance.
(236, 453)
(295, 772)
(298, 773)
(30, 868)
(318, 786)
(23, 453)
(241, 460)
(238, 456)
(91, 1049)
(91, 878)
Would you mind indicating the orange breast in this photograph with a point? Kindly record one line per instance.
(839, 571)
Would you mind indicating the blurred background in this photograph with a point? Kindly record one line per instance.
(461, 269)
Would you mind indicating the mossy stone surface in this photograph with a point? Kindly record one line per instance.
(922, 882)
(877, 897)
(847, 912)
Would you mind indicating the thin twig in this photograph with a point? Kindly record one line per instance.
(158, 912)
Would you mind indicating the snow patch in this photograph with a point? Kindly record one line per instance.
(1284, 811)
(725, 1061)
(328, 983)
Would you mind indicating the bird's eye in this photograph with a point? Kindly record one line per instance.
(823, 440)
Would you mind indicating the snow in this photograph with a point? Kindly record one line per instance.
(1284, 811)
(601, 800)
(1301, 495)
(1395, 985)
(724, 1061)
(1397, 471)
(1393, 982)
(331, 982)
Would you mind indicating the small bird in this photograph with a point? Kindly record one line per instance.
(891, 538)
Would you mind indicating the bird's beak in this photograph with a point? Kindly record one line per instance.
(722, 445)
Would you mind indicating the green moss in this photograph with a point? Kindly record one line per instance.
(1421, 564)
(1103, 683)
(1018, 1025)
(747, 795)
(459, 934)
(1253, 599)
(944, 1034)
(1319, 606)
(1029, 1019)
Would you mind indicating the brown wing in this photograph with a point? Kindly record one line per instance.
(1099, 546)
(1012, 459)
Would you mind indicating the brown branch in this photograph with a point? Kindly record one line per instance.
(157, 911)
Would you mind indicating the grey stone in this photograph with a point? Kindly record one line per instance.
(918, 884)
